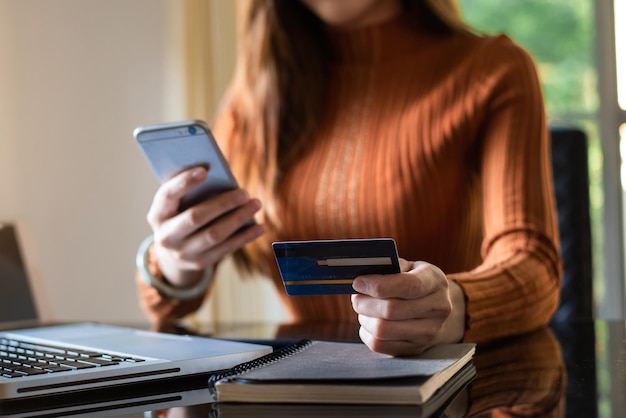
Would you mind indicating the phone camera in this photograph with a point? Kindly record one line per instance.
(192, 130)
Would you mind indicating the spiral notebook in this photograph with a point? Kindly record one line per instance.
(324, 372)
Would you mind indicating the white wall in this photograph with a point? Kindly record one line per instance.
(76, 77)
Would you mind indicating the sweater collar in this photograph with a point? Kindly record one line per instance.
(397, 37)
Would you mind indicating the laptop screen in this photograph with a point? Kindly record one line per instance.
(17, 302)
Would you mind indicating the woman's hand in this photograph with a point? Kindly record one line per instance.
(405, 313)
(183, 245)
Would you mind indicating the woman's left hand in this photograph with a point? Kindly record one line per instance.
(405, 313)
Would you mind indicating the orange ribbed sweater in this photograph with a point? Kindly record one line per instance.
(439, 141)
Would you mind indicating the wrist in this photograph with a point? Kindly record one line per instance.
(456, 320)
(152, 276)
(162, 264)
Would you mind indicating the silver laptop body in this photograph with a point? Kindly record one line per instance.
(138, 356)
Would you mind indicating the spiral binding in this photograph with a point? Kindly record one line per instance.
(267, 359)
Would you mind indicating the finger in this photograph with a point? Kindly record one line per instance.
(167, 198)
(418, 331)
(176, 230)
(237, 241)
(432, 306)
(405, 265)
(393, 348)
(418, 283)
(214, 254)
(214, 235)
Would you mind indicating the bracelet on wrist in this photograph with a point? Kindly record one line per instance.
(142, 262)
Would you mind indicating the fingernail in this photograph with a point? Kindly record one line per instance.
(198, 172)
(359, 285)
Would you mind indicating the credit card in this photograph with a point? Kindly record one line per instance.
(328, 267)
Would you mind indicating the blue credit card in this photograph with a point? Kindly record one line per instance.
(328, 267)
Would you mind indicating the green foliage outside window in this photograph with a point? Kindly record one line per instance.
(560, 36)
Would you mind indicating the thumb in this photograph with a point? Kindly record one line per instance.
(405, 265)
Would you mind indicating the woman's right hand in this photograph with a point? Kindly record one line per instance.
(182, 245)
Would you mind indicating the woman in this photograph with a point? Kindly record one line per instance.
(378, 118)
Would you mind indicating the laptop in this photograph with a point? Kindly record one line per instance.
(17, 302)
(70, 361)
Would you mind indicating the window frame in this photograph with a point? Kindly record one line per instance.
(610, 117)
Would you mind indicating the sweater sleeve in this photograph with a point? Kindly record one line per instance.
(516, 288)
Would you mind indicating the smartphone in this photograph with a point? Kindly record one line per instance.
(174, 147)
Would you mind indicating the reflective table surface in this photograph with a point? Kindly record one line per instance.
(573, 369)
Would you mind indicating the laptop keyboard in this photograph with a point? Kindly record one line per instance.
(20, 358)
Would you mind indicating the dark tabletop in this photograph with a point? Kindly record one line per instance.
(570, 369)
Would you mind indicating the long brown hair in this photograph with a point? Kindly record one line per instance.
(279, 88)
